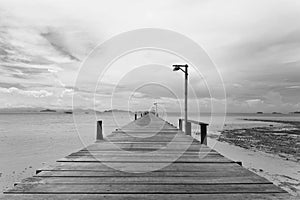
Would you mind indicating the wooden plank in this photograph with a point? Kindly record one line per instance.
(146, 180)
(141, 153)
(144, 159)
(154, 146)
(77, 173)
(188, 167)
(248, 196)
(146, 154)
(144, 189)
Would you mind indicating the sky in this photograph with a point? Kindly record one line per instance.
(254, 45)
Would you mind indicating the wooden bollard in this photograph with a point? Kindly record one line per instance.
(239, 163)
(188, 128)
(203, 134)
(99, 135)
(180, 124)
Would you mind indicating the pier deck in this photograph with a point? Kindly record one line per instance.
(146, 159)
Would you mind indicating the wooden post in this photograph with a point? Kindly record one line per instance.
(188, 126)
(180, 124)
(99, 135)
(203, 134)
(135, 116)
(239, 163)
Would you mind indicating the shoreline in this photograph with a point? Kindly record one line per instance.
(271, 151)
(283, 140)
(283, 173)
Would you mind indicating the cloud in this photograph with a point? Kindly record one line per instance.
(33, 93)
(42, 44)
(12, 85)
(293, 87)
(254, 102)
(58, 41)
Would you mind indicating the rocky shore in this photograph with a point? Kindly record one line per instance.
(283, 140)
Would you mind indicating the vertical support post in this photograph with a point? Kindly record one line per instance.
(180, 124)
(188, 128)
(203, 134)
(239, 163)
(186, 100)
(99, 135)
(141, 114)
(135, 116)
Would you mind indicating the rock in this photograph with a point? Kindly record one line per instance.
(261, 170)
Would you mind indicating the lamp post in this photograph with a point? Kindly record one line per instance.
(185, 71)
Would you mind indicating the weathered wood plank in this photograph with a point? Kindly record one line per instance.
(141, 153)
(125, 154)
(120, 159)
(153, 146)
(146, 180)
(77, 173)
(248, 196)
(145, 189)
(188, 167)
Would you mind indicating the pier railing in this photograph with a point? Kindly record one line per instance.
(196, 129)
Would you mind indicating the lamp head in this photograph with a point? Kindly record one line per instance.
(176, 68)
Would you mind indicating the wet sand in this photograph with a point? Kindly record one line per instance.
(283, 140)
(271, 151)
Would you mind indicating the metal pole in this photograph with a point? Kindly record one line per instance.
(185, 100)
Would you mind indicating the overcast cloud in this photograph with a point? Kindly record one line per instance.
(254, 43)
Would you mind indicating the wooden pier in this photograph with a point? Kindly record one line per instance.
(146, 159)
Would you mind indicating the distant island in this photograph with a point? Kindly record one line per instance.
(116, 110)
(59, 110)
(260, 113)
(276, 113)
(296, 112)
(48, 110)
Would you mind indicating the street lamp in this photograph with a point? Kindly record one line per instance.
(185, 71)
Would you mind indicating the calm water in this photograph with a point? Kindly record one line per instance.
(29, 141)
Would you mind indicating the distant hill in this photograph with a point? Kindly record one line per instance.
(58, 110)
(21, 110)
(116, 110)
(276, 113)
(48, 110)
(296, 112)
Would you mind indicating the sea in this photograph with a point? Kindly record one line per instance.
(32, 140)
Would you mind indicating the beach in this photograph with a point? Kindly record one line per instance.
(271, 151)
(27, 144)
